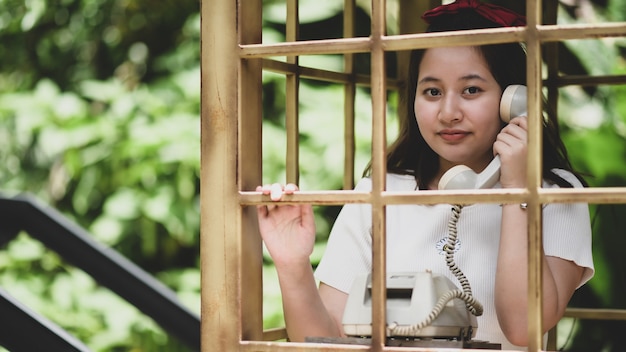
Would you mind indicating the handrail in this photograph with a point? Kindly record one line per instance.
(596, 313)
(105, 265)
(24, 330)
(586, 314)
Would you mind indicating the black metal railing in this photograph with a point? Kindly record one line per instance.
(110, 269)
(22, 329)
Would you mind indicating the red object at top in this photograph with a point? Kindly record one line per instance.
(494, 13)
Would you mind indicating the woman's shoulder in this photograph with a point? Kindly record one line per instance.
(566, 175)
(395, 183)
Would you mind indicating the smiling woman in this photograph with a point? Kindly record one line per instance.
(456, 93)
(457, 107)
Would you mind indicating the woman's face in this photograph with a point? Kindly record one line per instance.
(457, 106)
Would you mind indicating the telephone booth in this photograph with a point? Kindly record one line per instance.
(234, 59)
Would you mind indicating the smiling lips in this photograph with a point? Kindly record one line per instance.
(452, 135)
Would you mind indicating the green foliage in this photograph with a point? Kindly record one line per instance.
(99, 117)
(69, 41)
(104, 156)
(595, 135)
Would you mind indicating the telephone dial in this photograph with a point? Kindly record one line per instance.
(425, 304)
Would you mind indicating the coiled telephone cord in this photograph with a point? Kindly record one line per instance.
(466, 294)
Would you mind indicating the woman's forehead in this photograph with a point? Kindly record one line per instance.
(453, 60)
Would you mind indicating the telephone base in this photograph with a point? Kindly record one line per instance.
(429, 332)
(409, 342)
(411, 298)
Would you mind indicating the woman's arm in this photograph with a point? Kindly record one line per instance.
(560, 279)
(289, 235)
(309, 312)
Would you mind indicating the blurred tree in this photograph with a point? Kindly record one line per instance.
(592, 124)
(99, 116)
(69, 41)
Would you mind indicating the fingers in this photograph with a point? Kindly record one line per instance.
(307, 209)
(517, 127)
(515, 133)
(512, 143)
(262, 211)
(276, 190)
(290, 188)
(521, 121)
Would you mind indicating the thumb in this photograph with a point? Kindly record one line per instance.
(261, 211)
(306, 212)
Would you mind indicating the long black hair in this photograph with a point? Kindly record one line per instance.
(409, 154)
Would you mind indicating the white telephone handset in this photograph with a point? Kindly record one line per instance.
(512, 104)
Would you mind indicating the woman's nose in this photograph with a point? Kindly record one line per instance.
(449, 111)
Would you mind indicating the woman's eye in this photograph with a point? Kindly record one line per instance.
(432, 92)
(472, 90)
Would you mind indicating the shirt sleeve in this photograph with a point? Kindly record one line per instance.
(567, 230)
(348, 251)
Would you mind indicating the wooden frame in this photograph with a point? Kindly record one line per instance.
(232, 61)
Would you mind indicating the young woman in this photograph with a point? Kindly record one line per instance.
(454, 95)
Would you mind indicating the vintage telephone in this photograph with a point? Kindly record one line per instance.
(419, 305)
(425, 304)
(512, 104)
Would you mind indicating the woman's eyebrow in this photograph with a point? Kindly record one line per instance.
(428, 79)
(471, 77)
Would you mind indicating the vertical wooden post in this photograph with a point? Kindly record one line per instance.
(551, 57)
(249, 162)
(410, 21)
(379, 99)
(349, 98)
(219, 208)
(535, 267)
(292, 97)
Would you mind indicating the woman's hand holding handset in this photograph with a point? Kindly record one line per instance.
(288, 230)
(512, 146)
(512, 141)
